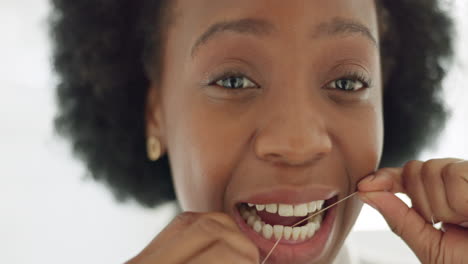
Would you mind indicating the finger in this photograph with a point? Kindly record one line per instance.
(413, 184)
(385, 179)
(455, 178)
(455, 240)
(221, 252)
(420, 236)
(206, 230)
(179, 223)
(432, 177)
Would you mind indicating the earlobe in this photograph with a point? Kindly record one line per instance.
(153, 147)
(153, 126)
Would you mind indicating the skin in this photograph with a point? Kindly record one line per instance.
(292, 130)
(306, 142)
(438, 189)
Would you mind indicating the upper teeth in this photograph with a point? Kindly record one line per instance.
(290, 210)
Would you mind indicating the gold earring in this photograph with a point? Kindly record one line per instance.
(153, 147)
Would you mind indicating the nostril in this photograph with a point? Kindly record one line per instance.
(295, 160)
(273, 157)
(287, 155)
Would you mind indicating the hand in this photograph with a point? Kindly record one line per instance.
(199, 238)
(439, 192)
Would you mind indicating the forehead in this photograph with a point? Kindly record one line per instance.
(292, 21)
(287, 16)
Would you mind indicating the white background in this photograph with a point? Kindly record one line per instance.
(51, 213)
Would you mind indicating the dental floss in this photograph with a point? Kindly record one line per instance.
(309, 217)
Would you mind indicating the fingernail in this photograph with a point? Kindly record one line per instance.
(465, 224)
(382, 176)
(368, 178)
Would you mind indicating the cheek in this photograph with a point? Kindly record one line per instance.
(361, 140)
(364, 151)
(205, 146)
(361, 148)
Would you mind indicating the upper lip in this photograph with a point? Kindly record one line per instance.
(290, 195)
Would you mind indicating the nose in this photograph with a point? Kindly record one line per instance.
(294, 136)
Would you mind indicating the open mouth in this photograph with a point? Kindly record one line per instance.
(275, 221)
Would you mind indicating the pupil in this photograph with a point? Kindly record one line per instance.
(234, 82)
(346, 85)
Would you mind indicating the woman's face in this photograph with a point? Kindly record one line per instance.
(271, 102)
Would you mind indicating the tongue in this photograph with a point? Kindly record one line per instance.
(275, 219)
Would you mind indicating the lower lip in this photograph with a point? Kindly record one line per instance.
(289, 250)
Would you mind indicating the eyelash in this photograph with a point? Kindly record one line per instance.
(352, 76)
(231, 74)
(355, 76)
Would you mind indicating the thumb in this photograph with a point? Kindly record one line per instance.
(405, 222)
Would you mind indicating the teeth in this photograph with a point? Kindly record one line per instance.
(312, 206)
(278, 231)
(289, 210)
(311, 228)
(320, 204)
(249, 214)
(296, 232)
(245, 215)
(315, 206)
(257, 226)
(304, 231)
(285, 210)
(287, 231)
(260, 207)
(251, 220)
(317, 219)
(267, 231)
(272, 208)
(300, 210)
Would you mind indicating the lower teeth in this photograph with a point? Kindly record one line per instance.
(298, 233)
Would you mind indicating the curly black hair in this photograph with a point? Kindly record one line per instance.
(103, 49)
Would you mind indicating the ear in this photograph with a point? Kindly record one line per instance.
(153, 116)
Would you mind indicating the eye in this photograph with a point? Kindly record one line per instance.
(351, 82)
(348, 84)
(235, 82)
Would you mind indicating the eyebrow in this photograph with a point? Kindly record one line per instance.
(259, 27)
(343, 26)
(248, 26)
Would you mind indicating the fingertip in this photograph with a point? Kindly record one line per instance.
(376, 183)
(367, 198)
(366, 182)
